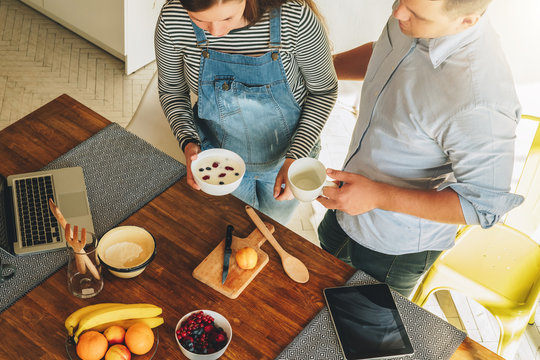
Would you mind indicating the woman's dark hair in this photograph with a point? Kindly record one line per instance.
(254, 8)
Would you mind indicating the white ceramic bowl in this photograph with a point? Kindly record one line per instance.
(126, 250)
(220, 321)
(217, 185)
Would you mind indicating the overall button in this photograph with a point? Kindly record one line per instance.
(225, 86)
(205, 54)
(275, 56)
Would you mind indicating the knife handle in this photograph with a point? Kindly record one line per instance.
(228, 237)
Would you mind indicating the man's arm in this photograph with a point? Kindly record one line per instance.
(352, 64)
(359, 194)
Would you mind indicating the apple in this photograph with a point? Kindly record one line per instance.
(118, 352)
(115, 334)
(246, 258)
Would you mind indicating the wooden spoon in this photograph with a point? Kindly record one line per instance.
(75, 244)
(63, 223)
(86, 259)
(292, 266)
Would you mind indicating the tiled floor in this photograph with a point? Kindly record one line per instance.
(40, 60)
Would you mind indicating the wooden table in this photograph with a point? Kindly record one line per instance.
(187, 225)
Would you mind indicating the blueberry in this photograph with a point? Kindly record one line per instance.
(221, 183)
(208, 168)
(201, 169)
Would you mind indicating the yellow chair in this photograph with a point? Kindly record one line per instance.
(498, 267)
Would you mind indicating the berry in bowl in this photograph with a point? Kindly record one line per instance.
(203, 335)
(218, 171)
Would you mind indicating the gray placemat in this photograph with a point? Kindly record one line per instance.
(122, 173)
(432, 337)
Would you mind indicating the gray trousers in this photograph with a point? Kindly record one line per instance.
(400, 272)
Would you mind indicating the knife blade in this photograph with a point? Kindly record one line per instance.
(227, 254)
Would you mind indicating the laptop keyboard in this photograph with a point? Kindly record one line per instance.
(37, 224)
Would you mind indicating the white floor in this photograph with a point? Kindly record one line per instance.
(39, 60)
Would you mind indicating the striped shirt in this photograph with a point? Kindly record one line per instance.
(306, 60)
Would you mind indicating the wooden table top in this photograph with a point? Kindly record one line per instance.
(187, 225)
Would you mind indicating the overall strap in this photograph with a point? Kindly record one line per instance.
(202, 41)
(275, 28)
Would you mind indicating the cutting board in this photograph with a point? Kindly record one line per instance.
(210, 270)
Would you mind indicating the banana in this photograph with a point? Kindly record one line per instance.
(152, 322)
(115, 313)
(73, 320)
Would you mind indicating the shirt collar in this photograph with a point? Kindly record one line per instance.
(441, 48)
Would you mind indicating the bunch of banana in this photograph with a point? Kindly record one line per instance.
(99, 315)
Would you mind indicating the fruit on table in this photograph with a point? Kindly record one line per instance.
(199, 334)
(139, 338)
(92, 346)
(73, 320)
(152, 322)
(115, 334)
(246, 258)
(118, 352)
(115, 313)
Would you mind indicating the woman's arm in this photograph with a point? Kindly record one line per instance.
(315, 61)
(174, 93)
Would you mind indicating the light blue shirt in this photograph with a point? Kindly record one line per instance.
(434, 113)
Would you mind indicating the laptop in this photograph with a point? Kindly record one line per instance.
(27, 225)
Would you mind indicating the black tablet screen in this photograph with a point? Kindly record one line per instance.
(367, 321)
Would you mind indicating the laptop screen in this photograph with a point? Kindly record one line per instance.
(5, 215)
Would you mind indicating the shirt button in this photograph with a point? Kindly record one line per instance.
(225, 86)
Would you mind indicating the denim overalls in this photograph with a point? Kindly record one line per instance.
(245, 105)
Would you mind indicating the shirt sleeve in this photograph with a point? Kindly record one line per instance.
(315, 62)
(480, 146)
(174, 93)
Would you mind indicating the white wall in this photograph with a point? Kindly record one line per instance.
(355, 22)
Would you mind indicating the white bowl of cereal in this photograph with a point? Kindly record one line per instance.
(218, 171)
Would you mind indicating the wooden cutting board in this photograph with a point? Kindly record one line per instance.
(210, 270)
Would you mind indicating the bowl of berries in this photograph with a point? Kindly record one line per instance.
(218, 171)
(203, 335)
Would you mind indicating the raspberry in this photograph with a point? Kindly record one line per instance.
(215, 164)
(222, 175)
(229, 168)
(220, 338)
(206, 177)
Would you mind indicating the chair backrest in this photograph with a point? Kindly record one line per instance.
(526, 217)
(149, 122)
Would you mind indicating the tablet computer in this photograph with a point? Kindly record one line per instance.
(367, 322)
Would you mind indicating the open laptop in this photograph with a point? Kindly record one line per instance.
(27, 225)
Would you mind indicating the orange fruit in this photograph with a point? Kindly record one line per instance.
(246, 258)
(92, 345)
(139, 338)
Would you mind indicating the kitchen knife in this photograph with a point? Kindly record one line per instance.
(228, 251)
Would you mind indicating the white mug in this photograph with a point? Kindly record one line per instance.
(307, 177)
